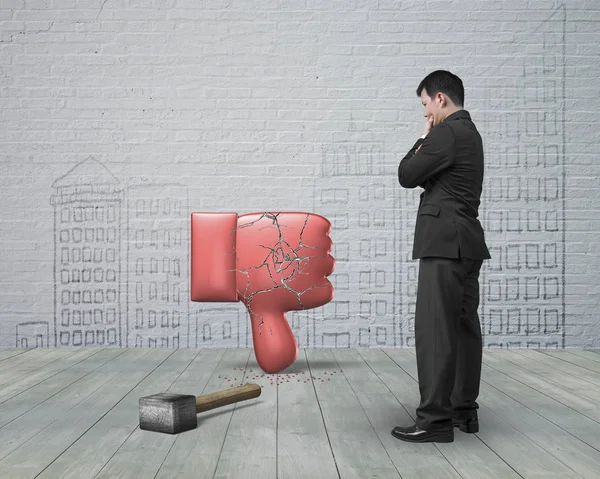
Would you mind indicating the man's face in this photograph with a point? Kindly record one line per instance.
(433, 107)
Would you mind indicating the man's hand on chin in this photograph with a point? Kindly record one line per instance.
(428, 126)
(426, 130)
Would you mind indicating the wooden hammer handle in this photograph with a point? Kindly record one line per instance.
(228, 396)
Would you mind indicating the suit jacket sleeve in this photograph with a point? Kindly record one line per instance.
(436, 154)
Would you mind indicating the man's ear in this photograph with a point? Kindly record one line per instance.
(442, 99)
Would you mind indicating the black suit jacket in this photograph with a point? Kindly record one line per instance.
(449, 166)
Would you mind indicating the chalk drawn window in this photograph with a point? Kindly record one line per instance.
(87, 254)
(139, 292)
(99, 296)
(139, 318)
(110, 214)
(551, 288)
(139, 239)
(64, 276)
(533, 320)
(98, 316)
(551, 189)
(65, 215)
(98, 255)
(64, 236)
(77, 234)
(76, 297)
(110, 255)
(65, 297)
(534, 220)
(76, 275)
(176, 319)
(551, 321)
(153, 265)
(532, 287)
(98, 275)
(111, 295)
(87, 317)
(111, 275)
(365, 308)
(111, 315)
(363, 220)
(364, 280)
(89, 235)
(86, 275)
(78, 214)
(65, 317)
(100, 213)
(76, 318)
(111, 235)
(176, 267)
(151, 318)
(379, 218)
(551, 255)
(153, 290)
(64, 256)
(139, 266)
(164, 321)
(100, 235)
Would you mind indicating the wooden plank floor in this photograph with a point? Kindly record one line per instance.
(73, 413)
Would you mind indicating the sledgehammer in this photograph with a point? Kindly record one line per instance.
(174, 413)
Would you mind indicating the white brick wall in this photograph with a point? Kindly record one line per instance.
(257, 106)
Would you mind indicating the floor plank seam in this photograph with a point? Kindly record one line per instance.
(546, 380)
(136, 427)
(230, 417)
(322, 416)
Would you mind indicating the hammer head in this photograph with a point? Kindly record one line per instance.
(166, 412)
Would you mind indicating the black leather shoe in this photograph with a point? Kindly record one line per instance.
(468, 425)
(414, 434)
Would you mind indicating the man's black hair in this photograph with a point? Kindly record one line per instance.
(442, 81)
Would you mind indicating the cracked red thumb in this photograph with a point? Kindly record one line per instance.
(273, 263)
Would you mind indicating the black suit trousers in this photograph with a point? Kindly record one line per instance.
(448, 340)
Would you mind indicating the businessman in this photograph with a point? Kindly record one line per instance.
(447, 162)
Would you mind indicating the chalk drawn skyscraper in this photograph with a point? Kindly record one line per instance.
(356, 193)
(157, 266)
(87, 204)
(524, 290)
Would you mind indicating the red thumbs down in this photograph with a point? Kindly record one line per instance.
(271, 262)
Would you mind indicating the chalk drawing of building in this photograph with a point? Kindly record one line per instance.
(33, 334)
(158, 266)
(87, 204)
(221, 326)
(523, 300)
(362, 198)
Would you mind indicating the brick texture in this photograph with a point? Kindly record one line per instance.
(119, 118)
